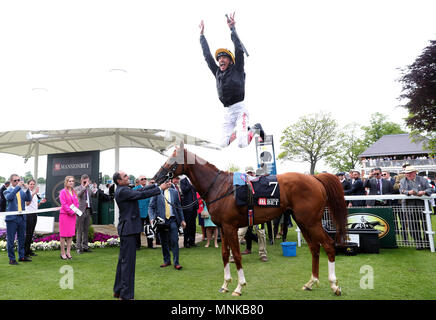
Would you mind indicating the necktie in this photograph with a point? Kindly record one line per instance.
(379, 186)
(19, 201)
(167, 206)
(88, 205)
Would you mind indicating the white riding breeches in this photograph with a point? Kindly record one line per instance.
(235, 119)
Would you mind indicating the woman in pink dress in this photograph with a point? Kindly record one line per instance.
(67, 217)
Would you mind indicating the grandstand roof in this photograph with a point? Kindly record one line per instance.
(394, 144)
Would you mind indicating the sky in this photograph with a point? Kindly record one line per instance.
(138, 64)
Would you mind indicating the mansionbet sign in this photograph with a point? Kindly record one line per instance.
(71, 166)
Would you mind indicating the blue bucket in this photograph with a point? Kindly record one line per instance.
(289, 249)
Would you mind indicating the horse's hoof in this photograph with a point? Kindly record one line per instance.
(338, 291)
(223, 290)
(306, 288)
(236, 294)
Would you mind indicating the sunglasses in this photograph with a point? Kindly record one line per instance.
(16, 180)
(142, 179)
(384, 175)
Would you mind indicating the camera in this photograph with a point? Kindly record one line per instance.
(156, 222)
(148, 231)
(181, 230)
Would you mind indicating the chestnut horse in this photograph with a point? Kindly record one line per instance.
(306, 195)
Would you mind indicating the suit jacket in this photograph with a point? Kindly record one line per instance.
(357, 189)
(189, 194)
(2, 199)
(81, 194)
(346, 185)
(127, 201)
(66, 201)
(420, 184)
(157, 206)
(386, 185)
(12, 203)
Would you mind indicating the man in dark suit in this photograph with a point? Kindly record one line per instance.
(167, 207)
(357, 189)
(346, 185)
(85, 191)
(2, 196)
(129, 226)
(189, 200)
(378, 186)
(387, 176)
(16, 196)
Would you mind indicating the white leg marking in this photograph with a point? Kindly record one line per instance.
(241, 283)
(227, 278)
(227, 275)
(312, 281)
(332, 278)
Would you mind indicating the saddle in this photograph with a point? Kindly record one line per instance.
(264, 191)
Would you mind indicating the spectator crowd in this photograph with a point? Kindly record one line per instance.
(171, 210)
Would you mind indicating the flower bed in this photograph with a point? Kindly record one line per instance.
(52, 242)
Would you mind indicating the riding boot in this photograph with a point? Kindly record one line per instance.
(257, 128)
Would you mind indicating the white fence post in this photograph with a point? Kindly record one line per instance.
(429, 230)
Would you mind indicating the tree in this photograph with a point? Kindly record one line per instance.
(419, 92)
(106, 178)
(379, 127)
(28, 176)
(350, 145)
(2, 179)
(233, 167)
(40, 180)
(310, 139)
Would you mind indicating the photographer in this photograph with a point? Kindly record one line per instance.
(16, 196)
(84, 191)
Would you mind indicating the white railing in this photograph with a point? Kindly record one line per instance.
(43, 224)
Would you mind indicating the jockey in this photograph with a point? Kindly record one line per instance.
(230, 82)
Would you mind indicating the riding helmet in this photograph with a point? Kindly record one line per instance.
(224, 52)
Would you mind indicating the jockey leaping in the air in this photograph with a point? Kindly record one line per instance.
(230, 83)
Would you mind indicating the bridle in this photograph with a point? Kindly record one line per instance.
(168, 174)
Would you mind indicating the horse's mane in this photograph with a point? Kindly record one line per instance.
(201, 160)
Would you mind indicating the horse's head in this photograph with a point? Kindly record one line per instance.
(173, 167)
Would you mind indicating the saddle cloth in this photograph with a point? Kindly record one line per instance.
(265, 190)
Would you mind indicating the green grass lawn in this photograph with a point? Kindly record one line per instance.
(403, 273)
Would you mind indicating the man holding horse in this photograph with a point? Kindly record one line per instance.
(230, 82)
(129, 228)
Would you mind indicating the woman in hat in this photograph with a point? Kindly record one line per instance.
(230, 82)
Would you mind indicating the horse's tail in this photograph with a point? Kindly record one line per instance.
(336, 204)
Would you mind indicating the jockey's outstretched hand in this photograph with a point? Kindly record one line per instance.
(231, 21)
(201, 26)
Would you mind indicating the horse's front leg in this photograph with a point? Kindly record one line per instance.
(225, 251)
(232, 238)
